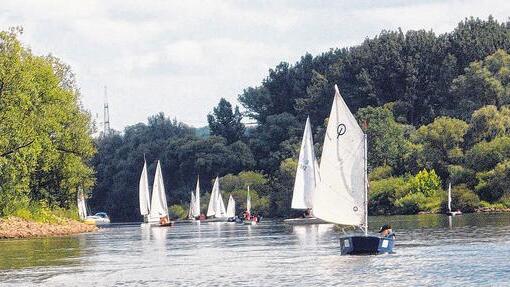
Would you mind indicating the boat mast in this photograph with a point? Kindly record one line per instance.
(366, 182)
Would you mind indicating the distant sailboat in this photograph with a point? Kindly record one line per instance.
(450, 212)
(231, 207)
(159, 207)
(99, 218)
(341, 195)
(307, 178)
(196, 206)
(216, 206)
(250, 219)
(143, 193)
(192, 203)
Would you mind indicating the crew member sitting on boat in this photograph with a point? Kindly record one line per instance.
(164, 220)
(307, 213)
(386, 231)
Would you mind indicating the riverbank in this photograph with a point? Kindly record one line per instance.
(15, 227)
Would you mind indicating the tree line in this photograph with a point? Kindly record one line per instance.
(436, 107)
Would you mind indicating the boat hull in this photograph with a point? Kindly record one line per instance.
(454, 213)
(366, 245)
(304, 221)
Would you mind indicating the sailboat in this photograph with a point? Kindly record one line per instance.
(100, 218)
(159, 207)
(191, 207)
(216, 206)
(450, 212)
(196, 205)
(307, 177)
(341, 195)
(143, 193)
(231, 209)
(250, 220)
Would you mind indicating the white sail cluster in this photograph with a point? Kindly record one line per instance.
(157, 207)
(216, 206)
(307, 172)
(341, 193)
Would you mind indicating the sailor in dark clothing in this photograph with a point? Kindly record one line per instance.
(386, 231)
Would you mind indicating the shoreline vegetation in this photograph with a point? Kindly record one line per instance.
(436, 108)
(15, 227)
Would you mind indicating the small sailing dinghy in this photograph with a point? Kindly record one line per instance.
(341, 195)
(159, 207)
(450, 212)
(231, 210)
(249, 219)
(307, 177)
(216, 209)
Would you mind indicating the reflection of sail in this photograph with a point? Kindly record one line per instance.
(310, 235)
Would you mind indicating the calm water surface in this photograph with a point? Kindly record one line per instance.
(472, 249)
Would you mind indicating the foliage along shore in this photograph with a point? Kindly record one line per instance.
(15, 227)
(437, 108)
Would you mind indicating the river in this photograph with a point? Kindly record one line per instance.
(432, 250)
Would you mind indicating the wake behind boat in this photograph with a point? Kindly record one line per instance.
(341, 196)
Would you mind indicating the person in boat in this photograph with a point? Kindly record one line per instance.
(164, 220)
(201, 216)
(307, 213)
(386, 231)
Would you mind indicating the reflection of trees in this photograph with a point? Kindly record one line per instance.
(38, 252)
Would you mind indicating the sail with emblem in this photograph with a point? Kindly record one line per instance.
(341, 192)
(231, 207)
(306, 173)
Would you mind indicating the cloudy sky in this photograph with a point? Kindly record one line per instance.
(181, 57)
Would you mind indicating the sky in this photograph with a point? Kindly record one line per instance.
(181, 57)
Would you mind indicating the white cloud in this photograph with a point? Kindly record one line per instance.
(180, 57)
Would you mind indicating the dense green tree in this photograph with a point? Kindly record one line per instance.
(225, 122)
(45, 136)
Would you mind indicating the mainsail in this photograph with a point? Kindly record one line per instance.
(341, 192)
(82, 205)
(231, 207)
(248, 201)
(306, 173)
(450, 197)
(159, 206)
(220, 211)
(191, 206)
(213, 201)
(196, 205)
(143, 191)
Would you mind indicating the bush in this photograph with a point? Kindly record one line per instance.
(411, 203)
(178, 211)
(494, 184)
(383, 193)
(381, 172)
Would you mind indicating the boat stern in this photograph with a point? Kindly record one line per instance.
(366, 245)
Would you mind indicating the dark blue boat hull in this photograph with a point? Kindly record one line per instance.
(366, 245)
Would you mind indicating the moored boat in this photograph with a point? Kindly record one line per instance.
(450, 212)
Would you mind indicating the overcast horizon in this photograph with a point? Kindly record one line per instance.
(180, 58)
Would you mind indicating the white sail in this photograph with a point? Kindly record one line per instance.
(340, 194)
(82, 205)
(159, 207)
(213, 201)
(231, 207)
(305, 181)
(221, 210)
(450, 197)
(196, 205)
(191, 206)
(248, 201)
(143, 191)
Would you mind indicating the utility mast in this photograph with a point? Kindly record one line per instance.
(106, 115)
